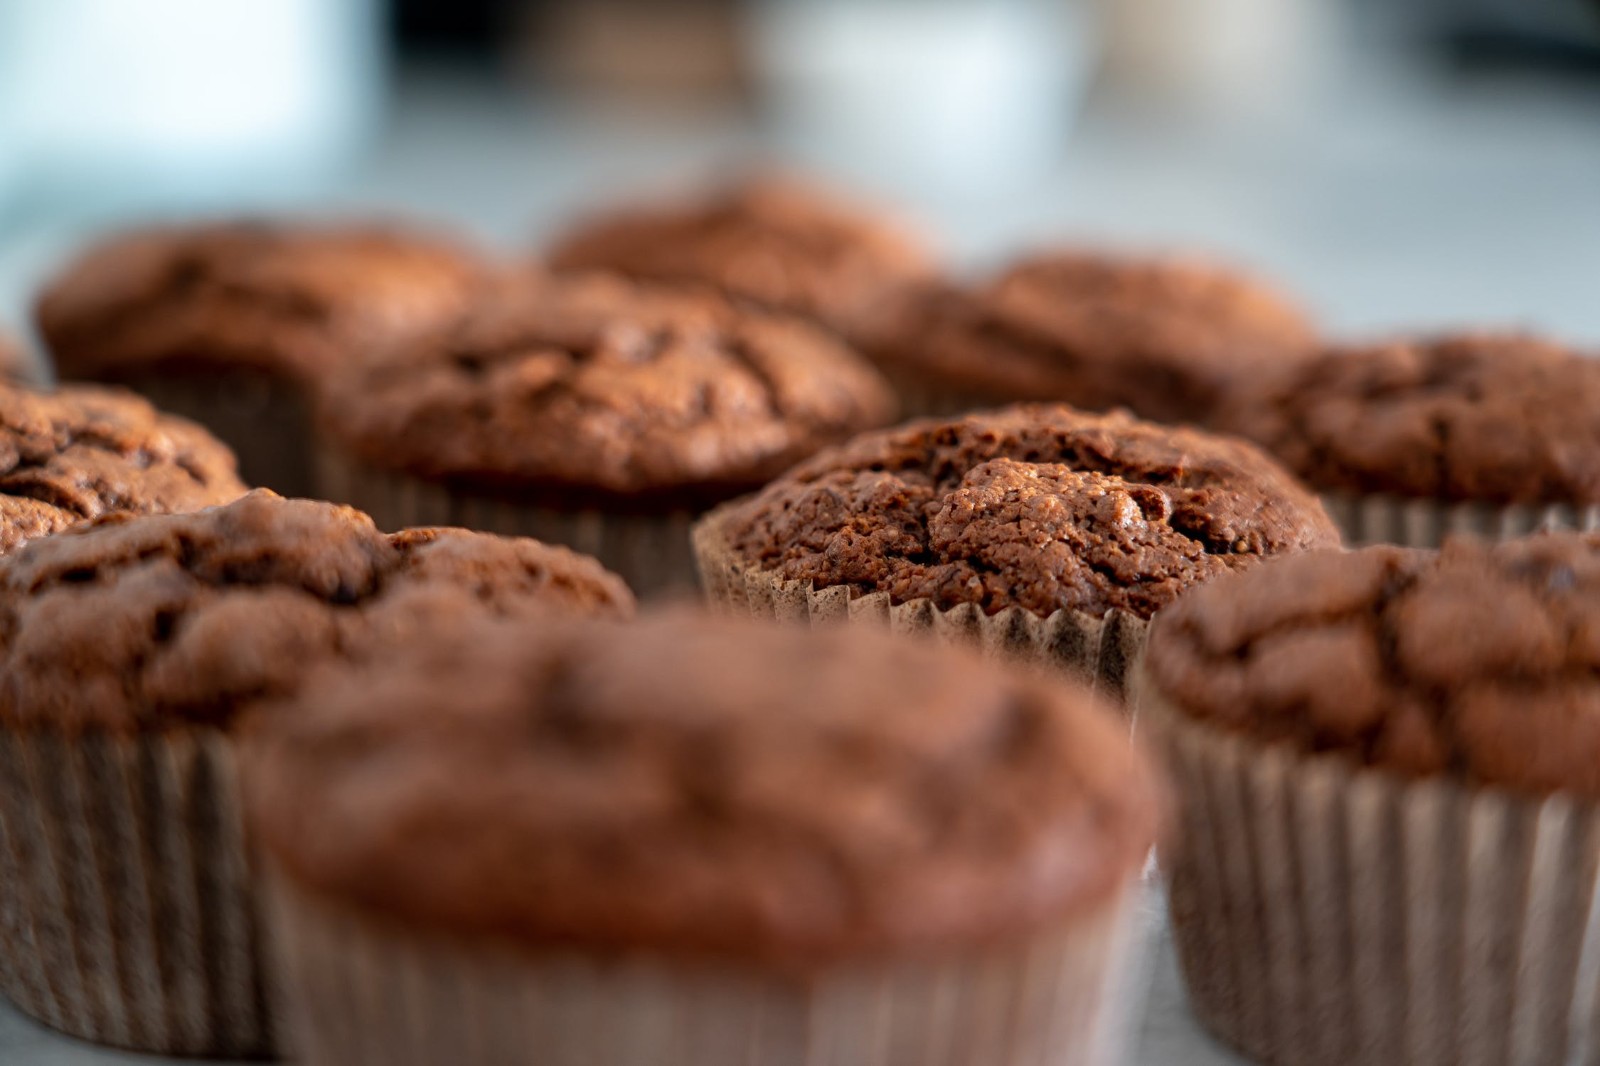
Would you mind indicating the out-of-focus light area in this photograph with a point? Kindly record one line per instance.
(1400, 162)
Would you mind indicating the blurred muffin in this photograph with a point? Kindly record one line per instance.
(16, 367)
(1388, 776)
(83, 452)
(231, 323)
(773, 241)
(1413, 439)
(1167, 338)
(592, 411)
(1036, 529)
(133, 654)
(664, 841)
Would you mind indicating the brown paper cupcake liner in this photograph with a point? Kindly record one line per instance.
(1414, 523)
(263, 419)
(650, 552)
(1099, 649)
(1331, 914)
(127, 913)
(357, 992)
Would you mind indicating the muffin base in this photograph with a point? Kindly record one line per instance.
(127, 913)
(358, 991)
(650, 552)
(264, 419)
(1414, 523)
(1101, 650)
(1327, 914)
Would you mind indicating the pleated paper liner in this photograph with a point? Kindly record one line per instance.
(127, 912)
(1101, 650)
(1327, 914)
(650, 552)
(262, 418)
(357, 991)
(1425, 523)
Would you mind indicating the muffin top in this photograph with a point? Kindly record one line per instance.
(786, 796)
(595, 384)
(171, 621)
(774, 241)
(1477, 662)
(1167, 338)
(1034, 506)
(1496, 417)
(285, 299)
(83, 452)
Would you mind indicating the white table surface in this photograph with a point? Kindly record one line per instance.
(1397, 201)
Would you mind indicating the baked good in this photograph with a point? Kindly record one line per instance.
(1387, 747)
(231, 323)
(822, 827)
(1035, 519)
(83, 452)
(593, 411)
(15, 365)
(775, 241)
(1169, 338)
(136, 651)
(1468, 432)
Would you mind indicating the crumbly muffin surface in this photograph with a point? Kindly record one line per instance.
(1036, 506)
(700, 787)
(146, 624)
(1478, 662)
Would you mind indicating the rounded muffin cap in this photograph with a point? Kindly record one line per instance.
(596, 385)
(772, 240)
(276, 297)
(1035, 506)
(697, 787)
(1167, 337)
(1477, 662)
(1498, 417)
(177, 621)
(83, 452)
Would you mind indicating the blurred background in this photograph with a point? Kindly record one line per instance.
(1401, 162)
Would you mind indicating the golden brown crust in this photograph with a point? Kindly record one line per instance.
(1500, 417)
(167, 622)
(1036, 506)
(594, 384)
(700, 787)
(775, 242)
(288, 300)
(1478, 662)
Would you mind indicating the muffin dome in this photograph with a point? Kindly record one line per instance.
(698, 787)
(1036, 506)
(146, 624)
(84, 452)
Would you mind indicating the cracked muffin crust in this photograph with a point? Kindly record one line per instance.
(788, 797)
(1500, 417)
(775, 242)
(287, 300)
(1167, 338)
(83, 452)
(1036, 506)
(1476, 662)
(594, 386)
(162, 622)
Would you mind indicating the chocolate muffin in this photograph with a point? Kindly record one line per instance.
(84, 452)
(232, 323)
(825, 846)
(1389, 774)
(1047, 531)
(1167, 338)
(776, 242)
(1413, 439)
(592, 411)
(134, 652)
